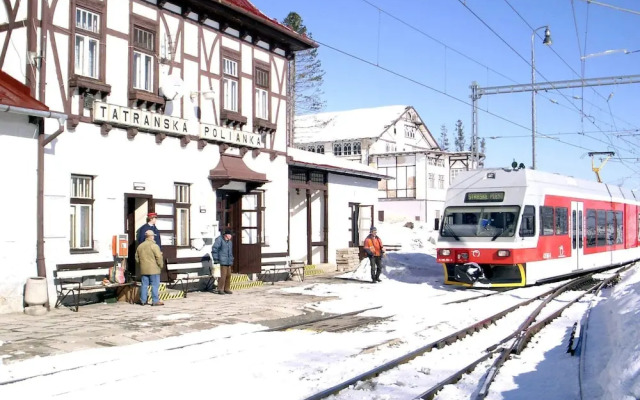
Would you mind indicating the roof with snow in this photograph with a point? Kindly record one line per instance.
(346, 125)
(327, 162)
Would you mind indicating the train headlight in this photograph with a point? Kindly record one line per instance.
(445, 252)
(504, 253)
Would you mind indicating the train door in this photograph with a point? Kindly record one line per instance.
(577, 234)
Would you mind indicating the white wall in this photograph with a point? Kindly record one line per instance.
(342, 191)
(18, 163)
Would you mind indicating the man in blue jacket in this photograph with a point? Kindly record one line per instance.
(150, 225)
(222, 252)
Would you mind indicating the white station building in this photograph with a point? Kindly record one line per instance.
(127, 107)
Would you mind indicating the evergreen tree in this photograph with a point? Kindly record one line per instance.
(444, 138)
(460, 139)
(305, 69)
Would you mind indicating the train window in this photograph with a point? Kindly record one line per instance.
(546, 221)
(610, 231)
(619, 227)
(479, 221)
(591, 228)
(573, 231)
(561, 221)
(601, 232)
(528, 224)
(580, 236)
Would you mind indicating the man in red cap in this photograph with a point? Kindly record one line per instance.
(150, 225)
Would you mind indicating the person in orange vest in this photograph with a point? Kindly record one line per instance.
(375, 250)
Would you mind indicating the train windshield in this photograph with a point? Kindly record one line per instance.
(480, 221)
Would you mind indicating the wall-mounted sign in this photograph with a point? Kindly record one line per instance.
(141, 119)
(149, 121)
(232, 136)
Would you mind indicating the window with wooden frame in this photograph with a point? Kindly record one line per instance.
(262, 93)
(263, 212)
(183, 207)
(403, 169)
(230, 84)
(87, 43)
(81, 223)
(143, 59)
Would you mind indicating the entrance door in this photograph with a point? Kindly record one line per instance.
(577, 234)
(136, 209)
(242, 214)
(249, 236)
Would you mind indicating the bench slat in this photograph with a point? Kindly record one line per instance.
(82, 273)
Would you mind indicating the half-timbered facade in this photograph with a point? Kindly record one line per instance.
(177, 108)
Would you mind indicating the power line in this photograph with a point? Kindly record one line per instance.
(592, 121)
(437, 90)
(612, 6)
(403, 22)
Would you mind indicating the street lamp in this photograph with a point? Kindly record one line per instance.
(547, 41)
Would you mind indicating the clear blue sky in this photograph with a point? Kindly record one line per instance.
(426, 53)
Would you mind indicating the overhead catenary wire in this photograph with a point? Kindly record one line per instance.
(592, 121)
(447, 47)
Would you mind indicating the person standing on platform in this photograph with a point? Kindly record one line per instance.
(222, 252)
(375, 250)
(149, 257)
(150, 225)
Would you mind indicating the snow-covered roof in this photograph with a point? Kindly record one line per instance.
(346, 125)
(327, 162)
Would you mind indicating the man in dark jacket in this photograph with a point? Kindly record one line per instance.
(374, 249)
(150, 225)
(222, 252)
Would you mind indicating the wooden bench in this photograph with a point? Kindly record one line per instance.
(275, 266)
(393, 247)
(75, 279)
(182, 271)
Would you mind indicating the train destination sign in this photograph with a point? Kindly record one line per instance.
(483, 197)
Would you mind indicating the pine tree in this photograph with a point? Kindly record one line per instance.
(444, 138)
(460, 139)
(306, 71)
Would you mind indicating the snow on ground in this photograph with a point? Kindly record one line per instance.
(241, 362)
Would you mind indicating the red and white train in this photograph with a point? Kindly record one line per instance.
(517, 227)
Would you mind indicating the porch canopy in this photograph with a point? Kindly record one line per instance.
(232, 168)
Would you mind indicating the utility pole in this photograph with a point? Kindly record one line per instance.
(477, 92)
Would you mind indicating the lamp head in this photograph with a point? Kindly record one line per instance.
(547, 37)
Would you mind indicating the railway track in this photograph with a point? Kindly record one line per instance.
(537, 316)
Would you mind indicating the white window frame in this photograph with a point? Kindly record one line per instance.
(143, 71)
(262, 104)
(431, 180)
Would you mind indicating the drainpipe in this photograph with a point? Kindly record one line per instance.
(42, 142)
